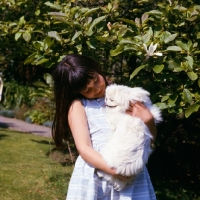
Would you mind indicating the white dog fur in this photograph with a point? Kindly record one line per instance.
(128, 146)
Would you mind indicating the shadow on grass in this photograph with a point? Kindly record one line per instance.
(56, 177)
(43, 142)
(3, 136)
(4, 125)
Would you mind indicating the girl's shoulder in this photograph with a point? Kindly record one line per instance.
(76, 104)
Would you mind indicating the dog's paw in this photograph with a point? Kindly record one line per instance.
(118, 185)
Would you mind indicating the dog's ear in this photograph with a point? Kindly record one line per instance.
(119, 95)
(138, 94)
(123, 96)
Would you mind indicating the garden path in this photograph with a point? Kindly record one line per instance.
(22, 126)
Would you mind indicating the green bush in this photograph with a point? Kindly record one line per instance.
(40, 112)
(153, 44)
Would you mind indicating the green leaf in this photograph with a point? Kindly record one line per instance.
(54, 6)
(191, 109)
(122, 31)
(117, 51)
(158, 68)
(182, 45)
(41, 61)
(191, 18)
(40, 84)
(130, 47)
(38, 31)
(38, 44)
(172, 99)
(90, 45)
(37, 12)
(170, 38)
(144, 17)
(162, 105)
(174, 66)
(155, 12)
(55, 35)
(187, 96)
(22, 21)
(137, 21)
(165, 98)
(135, 72)
(88, 33)
(196, 52)
(76, 35)
(48, 42)
(131, 22)
(126, 41)
(174, 48)
(199, 82)
(48, 78)
(193, 76)
(59, 14)
(90, 11)
(198, 35)
(17, 35)
(27, 36)
(147, 36)
(190, 61)
(96, 21)
(30, 59)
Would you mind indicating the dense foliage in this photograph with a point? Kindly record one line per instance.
(153, 44)
(150, 43)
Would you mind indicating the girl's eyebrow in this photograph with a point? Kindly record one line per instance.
(85, 90)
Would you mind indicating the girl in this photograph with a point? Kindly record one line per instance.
(79, 87)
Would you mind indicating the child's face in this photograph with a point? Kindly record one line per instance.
(96, 88)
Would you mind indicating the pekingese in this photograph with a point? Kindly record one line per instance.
(129, 144)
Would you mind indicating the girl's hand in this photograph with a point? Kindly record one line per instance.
(139, 110)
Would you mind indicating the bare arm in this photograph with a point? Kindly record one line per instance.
(79, 128)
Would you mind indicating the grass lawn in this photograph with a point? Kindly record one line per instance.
(31, 169)
(27, 172)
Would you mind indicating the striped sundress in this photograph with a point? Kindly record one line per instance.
(85, 184)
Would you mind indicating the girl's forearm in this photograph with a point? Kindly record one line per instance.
(96, 160)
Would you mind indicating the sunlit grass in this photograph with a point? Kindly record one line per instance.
(28, 173)
(26, 170)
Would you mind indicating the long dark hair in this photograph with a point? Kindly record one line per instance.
(70, 77)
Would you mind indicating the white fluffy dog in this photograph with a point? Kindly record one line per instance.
(128, 146)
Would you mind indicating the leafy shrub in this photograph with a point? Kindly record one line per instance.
(16, 95)
(7, 113)
(126, 37)
(40, 112)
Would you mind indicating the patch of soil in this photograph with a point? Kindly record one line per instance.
(63, 156)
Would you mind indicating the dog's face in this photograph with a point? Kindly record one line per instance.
(118, 97)
(116, 100)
